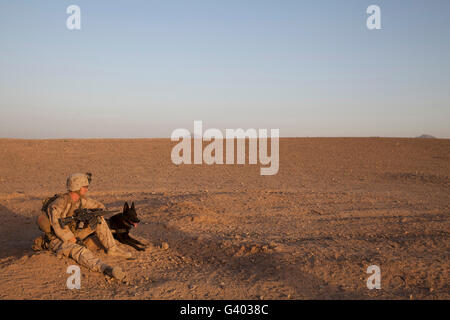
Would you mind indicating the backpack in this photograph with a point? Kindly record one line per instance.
(43, 221)
(49, 200)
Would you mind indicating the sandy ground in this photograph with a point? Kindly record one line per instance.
(336, 207)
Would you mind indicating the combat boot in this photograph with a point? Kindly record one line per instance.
(114, 272)
(41, 243)
(38, 244)
(118, 252)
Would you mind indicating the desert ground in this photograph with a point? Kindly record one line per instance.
(336, 206)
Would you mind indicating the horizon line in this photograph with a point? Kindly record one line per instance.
(281, 137)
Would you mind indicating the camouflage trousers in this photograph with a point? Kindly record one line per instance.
(81, 254)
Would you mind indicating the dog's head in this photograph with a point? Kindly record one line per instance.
(129, 215)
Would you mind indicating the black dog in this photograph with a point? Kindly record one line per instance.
(121, 224)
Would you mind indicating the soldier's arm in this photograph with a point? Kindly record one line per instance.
(93, 204)
(55, 211)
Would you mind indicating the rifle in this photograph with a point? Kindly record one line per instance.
(87, 216)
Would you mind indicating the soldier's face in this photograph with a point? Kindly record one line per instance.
(83, 190)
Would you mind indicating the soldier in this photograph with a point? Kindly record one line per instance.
(65, 241)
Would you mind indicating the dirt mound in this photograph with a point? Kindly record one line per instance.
(420, 177)
(426, 136)
(187, 212)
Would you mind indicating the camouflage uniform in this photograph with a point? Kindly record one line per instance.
(60, 238)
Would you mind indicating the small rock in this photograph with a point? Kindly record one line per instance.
(278, 249)
(254, 250)
(164, 246)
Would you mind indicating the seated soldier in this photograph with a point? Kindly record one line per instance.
(66, 241)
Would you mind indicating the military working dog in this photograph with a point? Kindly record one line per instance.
(121, 224)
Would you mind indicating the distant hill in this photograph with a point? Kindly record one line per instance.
(426, 136)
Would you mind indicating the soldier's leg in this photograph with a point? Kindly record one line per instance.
(106, 238)
(78, 253)
(104, 234)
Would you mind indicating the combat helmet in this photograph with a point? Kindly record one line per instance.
(77, 180)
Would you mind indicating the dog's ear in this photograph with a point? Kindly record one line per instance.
(132, 205)
(125, 207)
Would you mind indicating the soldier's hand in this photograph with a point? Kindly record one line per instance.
(74, 240)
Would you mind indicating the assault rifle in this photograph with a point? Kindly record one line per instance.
(86, 216)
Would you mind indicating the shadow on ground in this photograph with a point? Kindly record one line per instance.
(16, 234)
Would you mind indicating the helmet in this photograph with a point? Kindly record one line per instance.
(77, 180)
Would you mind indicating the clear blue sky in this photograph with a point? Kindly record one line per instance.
(145, 68)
